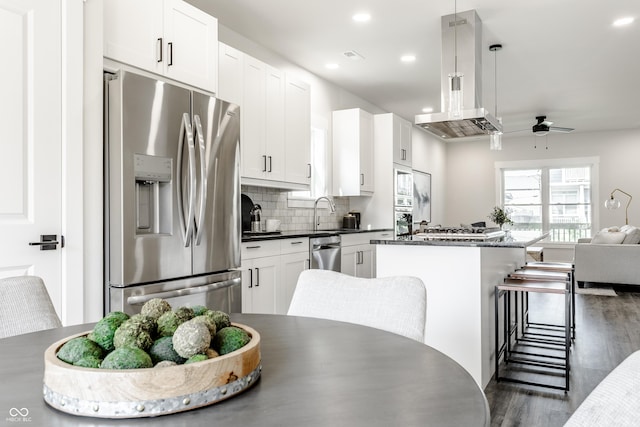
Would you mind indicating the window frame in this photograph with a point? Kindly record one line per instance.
(544, 165)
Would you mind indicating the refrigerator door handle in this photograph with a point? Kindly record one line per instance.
(202, 179)
(187, 223)
(141, 299)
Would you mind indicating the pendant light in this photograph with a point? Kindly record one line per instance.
(495, 139)
(455, 79)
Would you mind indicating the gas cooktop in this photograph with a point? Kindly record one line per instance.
(462, 234)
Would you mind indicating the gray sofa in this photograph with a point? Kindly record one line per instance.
(611, 256)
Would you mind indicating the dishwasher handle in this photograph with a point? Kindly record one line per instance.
(141, 299)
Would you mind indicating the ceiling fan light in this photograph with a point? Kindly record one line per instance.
(540, 132)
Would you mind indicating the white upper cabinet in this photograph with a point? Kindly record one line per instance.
(297, 131)
(230, 63)
(262, 109)
(276, 120)
(401, 141)
(393, 135)
(168, 37)
(353, 153)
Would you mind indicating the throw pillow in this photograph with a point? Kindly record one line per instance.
(610, 237)
(632, 236)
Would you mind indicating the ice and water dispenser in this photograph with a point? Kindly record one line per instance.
(153, 194)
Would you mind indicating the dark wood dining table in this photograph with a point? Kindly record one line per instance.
(315, 372)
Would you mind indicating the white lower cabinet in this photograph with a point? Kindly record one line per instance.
(270, 270)
(358, 255)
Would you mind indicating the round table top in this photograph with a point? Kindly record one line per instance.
(314, 373)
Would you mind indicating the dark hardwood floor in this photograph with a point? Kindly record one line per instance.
(608, 330)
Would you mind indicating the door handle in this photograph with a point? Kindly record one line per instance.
(186, 132)
(170, 53)
(199, 140)
(270, 164)
(159, 50)
(264, 163)
(361, 179)
(251, 277)
(257, 277)
(49, 242)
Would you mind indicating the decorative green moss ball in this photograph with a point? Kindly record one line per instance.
(127, 358)
(155, 308)
(77, 348)
(229, 339)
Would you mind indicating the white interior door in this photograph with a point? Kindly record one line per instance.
(30, 140)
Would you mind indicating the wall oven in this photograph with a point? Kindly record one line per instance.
(403, 203)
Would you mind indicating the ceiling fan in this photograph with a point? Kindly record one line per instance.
(543, 127)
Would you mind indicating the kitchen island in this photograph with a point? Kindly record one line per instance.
(460, 277)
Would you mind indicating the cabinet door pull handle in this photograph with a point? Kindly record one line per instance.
(170, 49)
(257, 277)
(251, 278)
(254, 247)
(309, 166)
(159, 50)
(361, 179)
(296, 243)
(270, 163)
(264, 163)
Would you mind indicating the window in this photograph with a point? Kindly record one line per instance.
(549, 197)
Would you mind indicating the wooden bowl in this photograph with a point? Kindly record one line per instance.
(132, 393)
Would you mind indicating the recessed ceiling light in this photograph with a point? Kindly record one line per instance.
(427, 110)
(408, 58)
(332, 66)
(361, 17)
(623, 21)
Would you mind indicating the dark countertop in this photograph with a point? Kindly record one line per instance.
(307, 233)
(507, 243)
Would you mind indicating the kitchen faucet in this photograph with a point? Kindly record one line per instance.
(316, 218)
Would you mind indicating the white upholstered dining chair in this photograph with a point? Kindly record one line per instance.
(395, 304)
(25, 306)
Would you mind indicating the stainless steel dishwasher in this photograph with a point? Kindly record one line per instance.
(325, 252)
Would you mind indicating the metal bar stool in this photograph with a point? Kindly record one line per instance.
(538, 274)
(551, 354)
(562, 267)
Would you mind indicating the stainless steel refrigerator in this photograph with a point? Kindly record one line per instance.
(172, 196)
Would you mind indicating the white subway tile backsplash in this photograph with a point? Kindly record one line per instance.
(274, 205)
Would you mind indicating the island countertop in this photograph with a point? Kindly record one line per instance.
(509, 242)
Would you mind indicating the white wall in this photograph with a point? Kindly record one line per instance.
(470, 173)
(471, 191)
(429, 155)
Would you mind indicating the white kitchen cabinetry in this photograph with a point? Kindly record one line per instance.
(401, 139)
(270, 271)
(169, 37)
(276, 120)
(353, 153)
(294, 260)
(358, 255)
(391, 133)
(262, 109)
(230, 63)
(297, 131)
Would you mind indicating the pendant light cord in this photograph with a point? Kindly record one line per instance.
(495, 83)
(455, 37)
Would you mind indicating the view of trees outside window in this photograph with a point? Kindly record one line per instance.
(551, 199)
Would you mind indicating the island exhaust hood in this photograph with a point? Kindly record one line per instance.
(474, 120)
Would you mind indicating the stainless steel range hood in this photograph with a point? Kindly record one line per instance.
(475, 120)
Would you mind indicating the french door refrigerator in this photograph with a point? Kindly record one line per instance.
(172, 196)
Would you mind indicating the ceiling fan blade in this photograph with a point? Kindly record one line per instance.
(516, 131)
(560, 129)
(546, 123)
